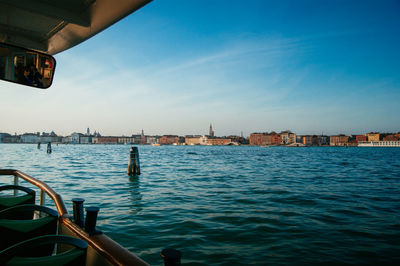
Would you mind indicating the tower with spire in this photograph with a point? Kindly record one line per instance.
(211, 133)
(142, 137)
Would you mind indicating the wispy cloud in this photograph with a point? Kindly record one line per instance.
(236, 78)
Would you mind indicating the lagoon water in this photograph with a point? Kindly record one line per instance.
(233, 205)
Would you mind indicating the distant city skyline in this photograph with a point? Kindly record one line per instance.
(173, 67)
(285, 138)
(210, 129)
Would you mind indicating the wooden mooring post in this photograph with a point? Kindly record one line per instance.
(49, 147)
(134, 165)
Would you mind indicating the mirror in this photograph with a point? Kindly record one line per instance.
(26, 67)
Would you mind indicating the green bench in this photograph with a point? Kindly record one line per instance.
(10, 201)
(28, 239)
(16, 255)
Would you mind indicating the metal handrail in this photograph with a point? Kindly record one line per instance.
(58, 201)
(108, 248)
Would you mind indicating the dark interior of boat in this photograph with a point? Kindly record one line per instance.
(30, 232)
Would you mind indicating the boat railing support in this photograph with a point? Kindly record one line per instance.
(42, 197)
(16, 182)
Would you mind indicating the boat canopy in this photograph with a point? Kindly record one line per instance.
(54, 26)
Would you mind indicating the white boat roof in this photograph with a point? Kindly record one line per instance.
(52, 26)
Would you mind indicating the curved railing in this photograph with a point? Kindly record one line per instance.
(104, 245)
(44, 189)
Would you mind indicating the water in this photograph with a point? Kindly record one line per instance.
(233, 205)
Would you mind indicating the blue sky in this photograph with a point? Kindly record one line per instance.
(175, 66)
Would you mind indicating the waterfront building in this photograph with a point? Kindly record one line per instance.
(307, 140)
(36, 138)
(218, 141)
(3, 135)
(360, 138)
(30, 138)
(169, 140)
(256, 139)
(320, 140)
(86, 139)
(287, 137)
(50, 138)
(136, 139)
(105, 140)
(152, 139)
(76, 138)
(373, 136)
(66, 140)
(275, 139)
(208, 140)
(124, 140)
(339, 140)
(324, 140)
(352, 141)
(192, 140)
(12, 139)
(315, 140)
(203, 140)
(390, 137)
(238, 140)
(264, 139)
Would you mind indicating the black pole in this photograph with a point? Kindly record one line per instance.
(78, 211)
(91, 219)
(172, 257)
(134, 164)
(49, 147)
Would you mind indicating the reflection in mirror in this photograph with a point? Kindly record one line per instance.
(26, 67)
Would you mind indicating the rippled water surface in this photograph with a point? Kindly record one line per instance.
(233, 205)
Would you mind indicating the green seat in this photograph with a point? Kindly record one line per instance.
(14, 230)
(16, 255)
(10, 201)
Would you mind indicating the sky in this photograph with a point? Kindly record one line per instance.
(174, 67)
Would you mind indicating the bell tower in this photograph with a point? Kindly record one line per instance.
(211, 133)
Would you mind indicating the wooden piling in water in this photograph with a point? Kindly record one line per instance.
(134, 165)
(49, 147)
